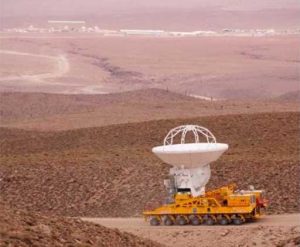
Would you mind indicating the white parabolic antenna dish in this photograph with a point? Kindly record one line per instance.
(190, 160)
(190, 155)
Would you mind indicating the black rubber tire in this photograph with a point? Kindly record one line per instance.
(209, 221)
(180, 220)
(223, 221)
(154, 222)
(237, 221)
(195, 221)
(168, 221)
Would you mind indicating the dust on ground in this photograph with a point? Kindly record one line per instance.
(280, 230)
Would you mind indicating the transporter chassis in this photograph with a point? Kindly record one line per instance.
(222, 206)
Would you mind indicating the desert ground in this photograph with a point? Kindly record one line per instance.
(270, 231)
(79, 114)
(218, 67)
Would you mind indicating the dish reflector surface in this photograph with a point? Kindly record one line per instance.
(190, 155)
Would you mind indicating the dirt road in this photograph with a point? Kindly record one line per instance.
(62, 67)
(268, 231)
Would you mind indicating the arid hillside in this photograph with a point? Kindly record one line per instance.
(26, 106)
(20, 228)
(39, 111)
(98, 171)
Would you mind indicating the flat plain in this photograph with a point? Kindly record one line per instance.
(218, 67)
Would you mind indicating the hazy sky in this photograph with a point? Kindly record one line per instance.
(155, 14)
(83, 7)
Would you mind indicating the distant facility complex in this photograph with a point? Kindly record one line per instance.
(143, 32)
(66, 25)
(80, 26)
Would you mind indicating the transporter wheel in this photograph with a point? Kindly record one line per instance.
(180, 220)
(154, 221)
(209, 221)
(168, 221)
(237, 221)
(223, 221)
(195, 221)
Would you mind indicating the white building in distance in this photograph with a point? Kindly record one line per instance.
(66, 25)
(142, 32)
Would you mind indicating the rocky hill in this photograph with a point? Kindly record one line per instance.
(20, 228)
(98, 171)
(39, 111)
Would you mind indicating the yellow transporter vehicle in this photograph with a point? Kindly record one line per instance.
(188, 202)
(221, 206)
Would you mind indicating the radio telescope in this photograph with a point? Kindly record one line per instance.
(190, 161)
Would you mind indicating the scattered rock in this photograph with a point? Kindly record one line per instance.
(225, 233)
